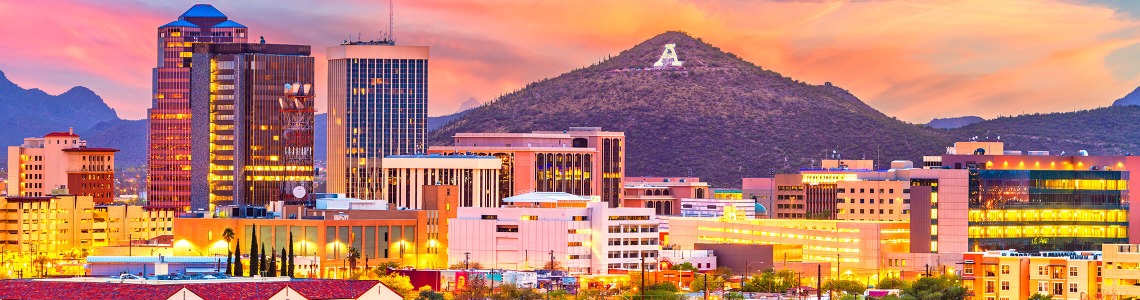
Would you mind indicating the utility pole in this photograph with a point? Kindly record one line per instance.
(467, 260)
(643, 277)
(818, 282)
(130, 245)
(706, 286)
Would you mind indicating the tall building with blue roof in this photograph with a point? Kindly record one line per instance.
(168, 157)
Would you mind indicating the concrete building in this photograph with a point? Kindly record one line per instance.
(168, 158)
(593, 239)
(579, 161)
(477, 179)
(868, 250)
(762, 190)
(663, 194)
(195, 289)
(1121, 271)
(322, 237)
(377, 105)
(60, 160)
(719, 207)
(253, 130)
(62, 226)
(1008, 274)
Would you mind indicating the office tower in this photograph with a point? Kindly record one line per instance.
(168, 158)
(61, 162)
(377, 106)
(252, 118)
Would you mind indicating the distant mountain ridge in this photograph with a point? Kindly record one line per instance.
(32, 112)
(1132, 98)
(952, 123)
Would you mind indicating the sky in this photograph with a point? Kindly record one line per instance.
(915, 60)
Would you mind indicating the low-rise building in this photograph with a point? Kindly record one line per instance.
(475, 177)
(1008, 274)
(322, 238)
(589, 239)
(1121, 271)
(663, 194)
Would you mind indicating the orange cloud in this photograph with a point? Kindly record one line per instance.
(912, 60)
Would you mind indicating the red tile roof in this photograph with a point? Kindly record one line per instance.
(61, 134)
(310, 289)
(332, 289)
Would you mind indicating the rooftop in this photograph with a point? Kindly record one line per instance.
(545, 197)
(61, 134)
(202, 11)
(229, 24)
(439, 156)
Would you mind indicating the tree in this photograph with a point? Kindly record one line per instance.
(513, 292)
(292, 267)
(398, 283)
(253, 257)
(228, 235)
(734, 296)
(723, 272)
(263, 264)
(552, 265)
(238, 268)
(462, 266)
(284, 264)
(771, 282)
(686, 266)
(476, 288)
(944, 287)
(385, 267)
(893, 284)
(427, 294)
(852, 287)
(714, 283)
(353, 255)
(1040, 297)
(272, 272)
(229, 262)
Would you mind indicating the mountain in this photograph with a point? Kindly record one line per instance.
(468, 105)
(721, 118)
(33, 113)
(1132, 98)
(951, 123)
(1103, 131)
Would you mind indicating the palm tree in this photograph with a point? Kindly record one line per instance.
(228, 235)
(353, 255)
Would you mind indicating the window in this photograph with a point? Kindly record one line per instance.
(1072, 287)
(1072, 271)
(1005, 285)
(1005, 269)
(989, 287)
(1041, 287)
(489, 217)
(969, 269)
(574, 244)
(1041, 271)
(581, 218)
(507, 228)
(1058, 288)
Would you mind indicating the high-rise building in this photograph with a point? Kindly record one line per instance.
(168, 158)
(377, 106)
(61, 161)
(582, 161)
(252, 105)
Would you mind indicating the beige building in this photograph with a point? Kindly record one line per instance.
(61, 160)
(476, 179)
(62, 226)
(1121, 274)
(1011, 275)
(873, 200)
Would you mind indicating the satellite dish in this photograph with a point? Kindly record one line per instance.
(288, 87)
(299, 192)
(296, 87)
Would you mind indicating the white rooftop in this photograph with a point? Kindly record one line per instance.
(545, 197)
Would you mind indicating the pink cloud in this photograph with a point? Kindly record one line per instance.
(912, 60)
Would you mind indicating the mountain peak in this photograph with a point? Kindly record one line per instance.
(692, 51)
(5, 84)
(1132, 98)
(469, 104)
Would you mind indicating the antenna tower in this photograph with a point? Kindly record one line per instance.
(391, 17)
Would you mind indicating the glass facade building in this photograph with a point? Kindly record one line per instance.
(1047, 210)
(168, 156)
(244, 152)
(377, 105)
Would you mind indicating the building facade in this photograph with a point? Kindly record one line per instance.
(252, 98)
(663, 194)
(377, 105)
(63, 226)
(476, 177)
(579, 161)
(60, 160)
(322, 237)
(168, 155)
(1121, 271)
(582, 240)
(1008, 274)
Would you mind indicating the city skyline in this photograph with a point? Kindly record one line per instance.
(991, 58)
